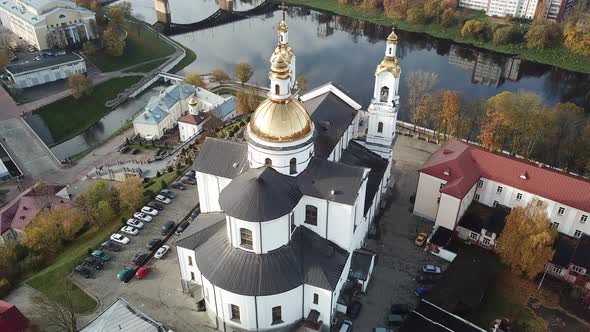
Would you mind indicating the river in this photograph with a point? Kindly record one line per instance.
(346, 51)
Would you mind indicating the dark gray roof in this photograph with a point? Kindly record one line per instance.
(564, 248)
(322, 176)
(260, 194)
(122, 316)
(201, 229)
(18, 68)
(442, 236)
(222, 158)
(307, 259)
(360, 264)
(358, 155)
(479, 216)
(331, 116)
(431, 318)
(581, 256)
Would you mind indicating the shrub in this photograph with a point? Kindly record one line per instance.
(544, 35)
(476, 29)
(163, 183)
(507, 35)
(178, 172)
(448, 18)
(415, 16)
(149, 193)
(170, 169)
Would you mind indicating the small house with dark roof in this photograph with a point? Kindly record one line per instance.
(12, 319)
(482, 225)
(285, 215)
(571, 261)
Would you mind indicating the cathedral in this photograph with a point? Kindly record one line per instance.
(283, 213)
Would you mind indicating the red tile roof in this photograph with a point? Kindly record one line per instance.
(11, 319)
(194, 119)
(465, 164)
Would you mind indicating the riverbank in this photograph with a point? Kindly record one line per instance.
(558, 57)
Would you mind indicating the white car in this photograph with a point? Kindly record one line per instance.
(120, 238)
(142, 216)
(163, 199)
(130, 230)
(134, 223)
(149, 210)
(162, 251)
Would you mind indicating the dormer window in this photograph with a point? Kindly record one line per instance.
(447, 172)
(524, 176)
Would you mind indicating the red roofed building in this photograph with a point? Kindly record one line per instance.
(459, 173)
(11, 319)
(191, 125)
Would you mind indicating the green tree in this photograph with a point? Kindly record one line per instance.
(81, 85)
(117, 16)
(565, 121)
(302, 84)
(243, 72)
(89, 49)
(507, 35)
(545, 35)
(114, 41)
(130, 193)
(526, 243)
(475, 29)
(415, 16)
(105, 212)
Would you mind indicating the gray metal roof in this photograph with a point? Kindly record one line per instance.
(122, 316)
(358, 155)
(222, 158)
(201, 229)
(322, 177)
(331, 116)
(308, 259)
(43, 63)
(260, 194)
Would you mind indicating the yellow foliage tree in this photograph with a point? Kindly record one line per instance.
(105, 212)
(46, 233)
(130, 193)
(113, 40)
(243, 72)
(526, 243)
(449, 113)
(80, 85)
(194, 79)
(219, 75)
(577, 39)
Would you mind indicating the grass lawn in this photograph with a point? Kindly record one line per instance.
(560, 57)
(68, 117)
(156, 183)
(146, 67)
(189, 58)
(50, 280)
(142, 45)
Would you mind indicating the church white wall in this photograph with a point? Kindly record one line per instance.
(323, 305)
(290, 303)
(340, 224)
(209, 187)
(280, 158)
(188, 130)
(266, 236)
(189, 272)
(144, 129)
(448, 211)
(321, 205)
(427, 193)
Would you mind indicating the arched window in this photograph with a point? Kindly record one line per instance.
(384, 94)
(281, 38)
(311, 215)
(267, 162)
(277, 89)
(293, 166)
(380, 127)
(246, 238)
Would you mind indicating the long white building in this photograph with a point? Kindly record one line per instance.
(48, 23)
(283, 214)
(545, 9)
(48, 69)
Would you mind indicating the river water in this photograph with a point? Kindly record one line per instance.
(346, 51)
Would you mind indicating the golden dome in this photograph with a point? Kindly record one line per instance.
(392, 38)
(193, 101)
(279, 68)
(280, 121)
(283, 50)
(283, 26)
(389, 64)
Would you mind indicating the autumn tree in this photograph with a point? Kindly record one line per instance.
(50, 228)
(506, 35)
(81, 85)
(130, 193)
(565, 121)
(420, 83)
(425, 111)
(526, 243)
(9, 268)
(89, 201)
(433, 10)
(490, 135)
(4, 57)
(219, 75)
(475, 29)
(449, 18)
(243, 72)
(449, 111)
(545, 35)
(194, 79)
(415, 16)
(577, 38)
(89, 49)
(61, 313)
(105, 212)
(242, 104)
(117, 16)
(302, 84)
(396, 8)
(114, 41)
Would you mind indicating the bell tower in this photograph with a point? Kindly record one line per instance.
(385, 102)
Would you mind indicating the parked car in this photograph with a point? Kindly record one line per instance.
(149, 210)
(178, 185)
(153, 244)
(94, 262)
(195, 213)
(431, 269)
(191, 173)
(420, 239)
(84, 271)
(156, 205)
(162, 251)
(101, 255)
(134, 151)
(120, 238)
(181, 227)
(167, 228)
(142, 216)
(163, 199)
(187, 180)
(138, 258)
(124, 273)
(134, 223)
(130, 230)
(142, 272)
(420, 291)
(400, 309)
(426, 279)
(168, 193)
(354, 309)
(124, 149)
(110, 245)
(346, 326)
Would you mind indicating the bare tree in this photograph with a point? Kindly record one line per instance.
(420, 83)
(59, 314)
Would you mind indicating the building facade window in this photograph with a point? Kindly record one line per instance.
(441, 186)
(578, 233)
(292, 222)
(246, 238)
(518, 196)
(277, 89)
(267, 162)
(316, 298)
(311, 215)
(557, 270)
(476, 197)
(277, 316)
(293, 166)
(438, 200)
(192, 276)
(577, 269)
(561, 211)
(235, 312)
(499, 190)
(480, 184)
(495, 204)
(583, 219)
(473, 236)
(190, 261)
(556, 224)
(380, 127)
(486, 241)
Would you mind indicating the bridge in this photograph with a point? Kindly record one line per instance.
(220, 17)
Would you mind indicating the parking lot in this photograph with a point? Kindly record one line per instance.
(159, 294)
(398, 258)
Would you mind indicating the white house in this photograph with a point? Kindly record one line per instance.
(48, 23)
(282, 214)
(45, 70)
(192, 124)
(459, 173)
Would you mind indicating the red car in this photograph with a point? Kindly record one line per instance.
(142, 272)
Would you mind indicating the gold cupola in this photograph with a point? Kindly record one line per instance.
(390, 63)
(392, 38)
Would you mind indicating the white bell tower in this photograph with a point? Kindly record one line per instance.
(385, 102)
